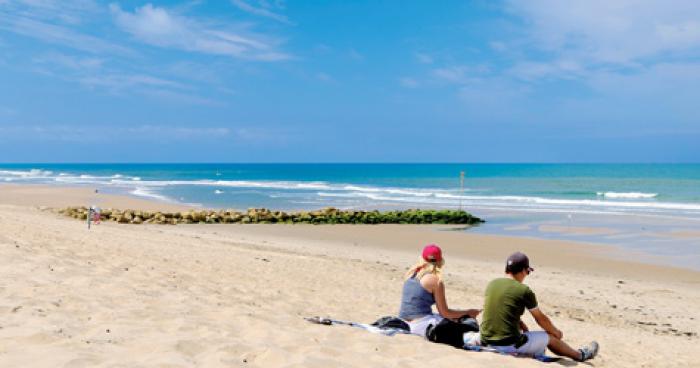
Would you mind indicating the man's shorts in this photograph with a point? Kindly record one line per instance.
(536, 344)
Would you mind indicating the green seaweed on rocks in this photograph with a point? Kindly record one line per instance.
(265, 216)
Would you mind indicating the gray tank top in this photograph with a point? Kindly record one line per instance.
(415, 300)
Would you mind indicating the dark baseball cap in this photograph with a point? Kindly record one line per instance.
(517, 262)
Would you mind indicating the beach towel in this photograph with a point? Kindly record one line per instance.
(391, 331)
(541, 358)
(383, 329)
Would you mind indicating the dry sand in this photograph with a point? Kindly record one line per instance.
(235, 295)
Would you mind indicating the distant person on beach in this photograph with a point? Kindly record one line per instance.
(423, 288)
(501, 327)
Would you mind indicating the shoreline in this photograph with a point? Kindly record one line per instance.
(580, 255)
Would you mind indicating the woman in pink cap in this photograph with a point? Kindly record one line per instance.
(423, 288)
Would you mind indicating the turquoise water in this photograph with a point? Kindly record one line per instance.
(662, 189)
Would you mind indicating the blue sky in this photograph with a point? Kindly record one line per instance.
(358, 81)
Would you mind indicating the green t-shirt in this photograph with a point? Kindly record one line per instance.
(505, 301)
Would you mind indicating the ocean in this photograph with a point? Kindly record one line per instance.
(644, 206)
(663, 189)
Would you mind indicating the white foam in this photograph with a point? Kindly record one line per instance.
(218, 191)
(33, 173)
(144, 192)
(630, 195)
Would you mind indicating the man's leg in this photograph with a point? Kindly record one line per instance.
(561, 348)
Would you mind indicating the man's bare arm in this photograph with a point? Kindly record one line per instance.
(545, 323)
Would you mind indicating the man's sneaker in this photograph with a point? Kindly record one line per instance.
(588, 352)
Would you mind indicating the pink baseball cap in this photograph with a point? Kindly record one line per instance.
(432, 253)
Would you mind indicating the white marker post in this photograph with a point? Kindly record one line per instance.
(461, 188)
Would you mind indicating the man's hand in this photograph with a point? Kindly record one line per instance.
(523, 326)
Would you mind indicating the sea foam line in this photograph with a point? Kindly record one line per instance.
(631, 195)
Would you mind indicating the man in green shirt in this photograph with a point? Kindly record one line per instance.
(501, 327)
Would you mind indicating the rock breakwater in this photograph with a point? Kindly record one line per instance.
(265, 216)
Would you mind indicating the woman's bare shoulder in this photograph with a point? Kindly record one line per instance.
(430, 281)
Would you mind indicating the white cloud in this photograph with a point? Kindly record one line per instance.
(97, 133)
(621, 32)
(58, 34)
(355, 55)
(160, 27)
(73, 62)
(263, 10)
(68, 12)
(408, 82)
(561, 69)
(498, 46)
(424, 58)
(119, 82)
(106, 133)
(324, 77)
(7, 111)
(460, 73)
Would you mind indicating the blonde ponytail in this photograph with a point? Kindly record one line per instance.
(424, 267)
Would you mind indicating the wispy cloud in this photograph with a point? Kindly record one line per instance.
(264, 10)
(95, 74)
(67, 12)
(104, 133)
(160, 27)
(356, 55)
(498, 46)
(7, 111)
(424, 58)
(73, 62)
(408, 82)
(151, 133)
(557, 69)
(121, 82)
(602, 34)
(58, 34)
(460, 74)
(324, 77)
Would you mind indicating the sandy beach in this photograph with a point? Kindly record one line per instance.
(236, 295)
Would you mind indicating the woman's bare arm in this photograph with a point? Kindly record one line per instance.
(438, 289)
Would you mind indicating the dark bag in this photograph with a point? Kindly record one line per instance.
(450, 332)
(392, 322)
